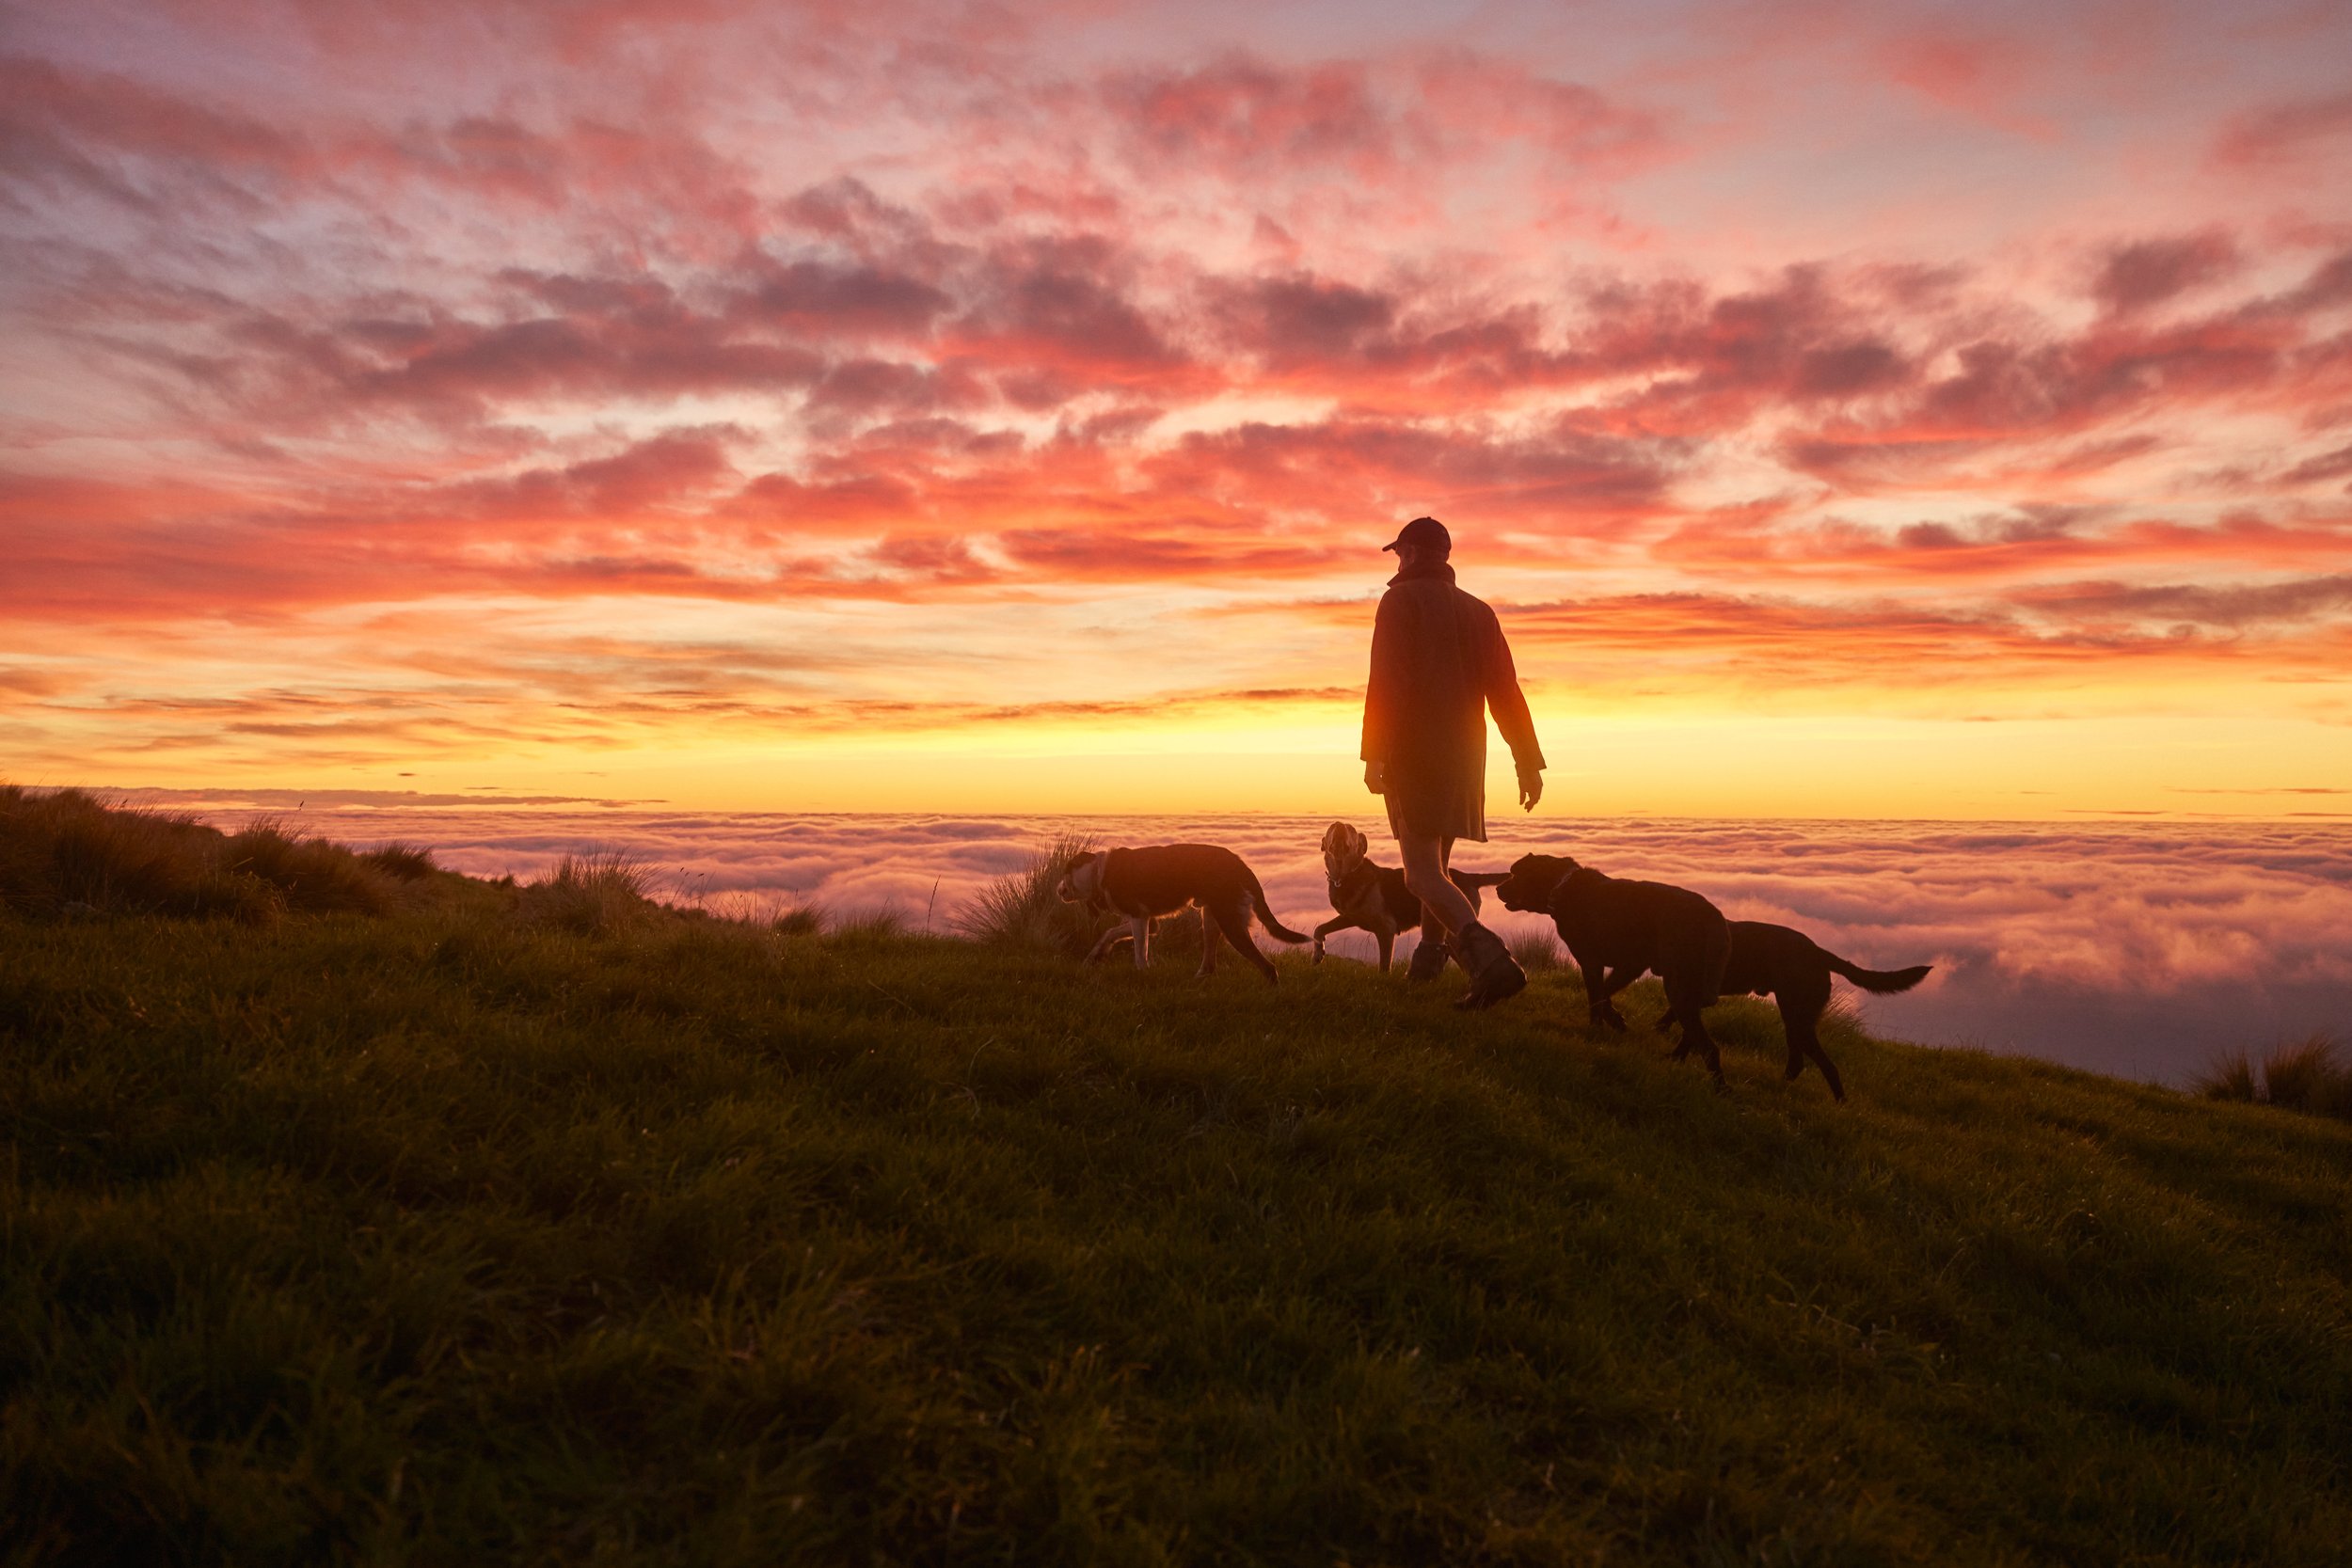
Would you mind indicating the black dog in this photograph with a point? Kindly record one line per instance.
(1617, 930)
(1374, 899)
(1793, 970)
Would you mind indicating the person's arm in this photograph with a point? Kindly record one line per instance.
(1508, 705)
(1380, 698)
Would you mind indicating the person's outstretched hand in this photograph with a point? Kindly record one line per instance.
(1531, 788)
(1376, 777)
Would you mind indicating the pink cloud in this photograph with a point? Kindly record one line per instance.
(1380, 120)
(2147, 273)
(2278, 132)
(807, 314)
(1978, 73)
(1240, 114)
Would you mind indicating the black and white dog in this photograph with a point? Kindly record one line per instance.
(1374, 899)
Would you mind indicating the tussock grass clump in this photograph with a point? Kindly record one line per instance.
(1537, 951)
(408, 863)
(64, 855)
(2230, 1076)
(2307, 1075)
(798, 920)
(315, 876)
(870, 927)
(599, 893)
(1021, 910)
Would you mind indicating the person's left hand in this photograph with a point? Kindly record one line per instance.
(1531, 788)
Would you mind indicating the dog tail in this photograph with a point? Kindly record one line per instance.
(1886, 982)
(1478, 879)
(1265, 915)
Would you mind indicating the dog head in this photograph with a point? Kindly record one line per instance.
(1533, 880)
(1082, 878)
(1344, 850)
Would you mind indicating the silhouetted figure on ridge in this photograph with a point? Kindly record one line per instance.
(1439, 663)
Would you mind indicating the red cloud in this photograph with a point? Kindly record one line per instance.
(166, 155)
(2150, 272)
(1575, 126)
(2323, 469)
(1369, 467)
(1194, 554)
(1239, 113)
(651, 476)
(2231, 609)
(793, 308)
(1373, 121)
(2002, 546)
(2284, 132)
(1976, 73)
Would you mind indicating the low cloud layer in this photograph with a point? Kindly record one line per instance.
(2135, 950)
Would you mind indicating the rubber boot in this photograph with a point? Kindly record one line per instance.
(1495, 976)
(1429, 954)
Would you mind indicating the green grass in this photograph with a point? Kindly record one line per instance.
(459, 1235)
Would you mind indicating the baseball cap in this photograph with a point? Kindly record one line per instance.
(1423, 533)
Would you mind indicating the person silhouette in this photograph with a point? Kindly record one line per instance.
(1439, 665)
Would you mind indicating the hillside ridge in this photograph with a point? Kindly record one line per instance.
(480, 1228)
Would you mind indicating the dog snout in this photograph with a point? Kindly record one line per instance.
(1529, 886)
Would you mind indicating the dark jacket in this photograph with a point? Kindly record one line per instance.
(1439, 664)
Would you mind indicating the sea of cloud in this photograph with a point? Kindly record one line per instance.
(2139, 949)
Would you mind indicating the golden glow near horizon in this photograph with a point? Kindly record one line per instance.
(1016, 432)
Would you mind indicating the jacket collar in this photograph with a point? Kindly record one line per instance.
(1439, 571)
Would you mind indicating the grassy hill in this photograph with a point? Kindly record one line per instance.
(479, 1228)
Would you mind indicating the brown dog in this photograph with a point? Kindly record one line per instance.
(1141, 885)
(1793, 970)
(1374, 899)
(1619, 930)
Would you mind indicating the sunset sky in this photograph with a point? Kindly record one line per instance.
(1851, 409)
